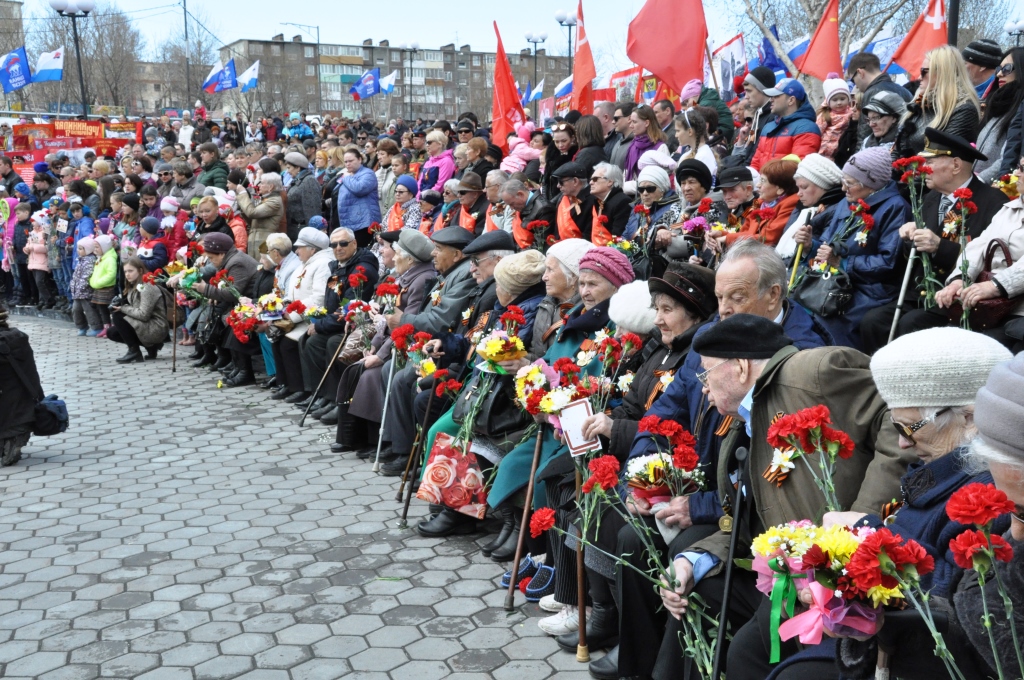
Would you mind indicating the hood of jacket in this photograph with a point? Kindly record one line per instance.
(801, 120)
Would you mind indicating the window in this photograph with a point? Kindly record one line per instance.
(448, 76)
(380, 61)
(463, 82)
(397, 91)
(489, 59)
(448, 58)
(310, 69)
(431, 56)
(309, 52)
(255, 49)
(462, 64)
(513, 59)
(311, 89)
(476, 76)
(396, 55)
(275, 50)
(476, 60)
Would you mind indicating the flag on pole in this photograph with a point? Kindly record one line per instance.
(583, 70)
(387, 83)
(563, 88)
(210, 84)
(538, 93)
(250, 79)
(766, 54)
(367, 85)
(679, 57)
(506, 108)
(528, 95)
(732, 62)
(226, 79)
(928, 32)
(822, 56)
(14, 71)
(49, 66)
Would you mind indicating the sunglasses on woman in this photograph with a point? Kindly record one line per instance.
(647, 189)
(1004, 70)
(924, 72)
(908, 430)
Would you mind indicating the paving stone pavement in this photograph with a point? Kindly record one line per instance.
(181, 532)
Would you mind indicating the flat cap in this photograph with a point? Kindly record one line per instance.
(730, 177)
(491, 240)
(454, 237)
(742, 336)
(297, 159)
(570, 169)
(416, 244)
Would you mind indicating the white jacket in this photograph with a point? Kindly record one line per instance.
(1008, 225)
(309, 283)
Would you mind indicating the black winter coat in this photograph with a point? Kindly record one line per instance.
(21, 390)
(339, 290)
(964, 122)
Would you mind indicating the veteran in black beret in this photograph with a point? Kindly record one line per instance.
(951, 159)
(737, 185)
(574, 206)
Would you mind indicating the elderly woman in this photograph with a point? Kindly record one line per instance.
(354, 198)
(476, 148)
(868, 255)
(657, 203)
(359, 386)
(280, 260)
(405, 211)
(686, 235)
(930, 381)
(819, 188)
(308, 286)
(884, 111)
(440, 164)
(303, 200)
(262, 212)
(141, 318)
(777, 201)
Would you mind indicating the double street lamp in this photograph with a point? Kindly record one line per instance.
(568, 20)
(75, 10)
(1015, 29)
(407, 77)
(535, 39)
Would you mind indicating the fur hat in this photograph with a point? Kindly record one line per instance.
(820, 171)
(170, 204)
(518, 272)
(87, 243)
(631, 309)
(569, 252)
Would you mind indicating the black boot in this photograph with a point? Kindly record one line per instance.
(603, 619)
(152, 350)
(344, 438)
(607, 667)
(510, 520)
(244, 375)
(134, 355)
(209, 357)
(222, 361)
(507, 550)
(446, 523)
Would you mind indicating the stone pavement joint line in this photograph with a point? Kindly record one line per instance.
(181, 532)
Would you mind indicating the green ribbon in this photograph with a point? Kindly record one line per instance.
(783, 594)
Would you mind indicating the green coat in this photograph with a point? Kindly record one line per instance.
(104, 274)
(215, 175)
(840, 378)
(514, 471)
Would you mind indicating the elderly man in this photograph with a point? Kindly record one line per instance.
(500, 215)
(574, 206)
(737, 185)
(442, 312)
(755, 84)
(793, 131)
(752, 373)
(951, 159)
(611, 206)
(472, 203)
(186, 186)
(751, 280)
(484, 253)
(530, 208)
(316, 348)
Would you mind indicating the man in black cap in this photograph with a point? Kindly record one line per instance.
(483, 254)
(865, 72)
(419, 149)
(982, 58)
(574, 206)
(753, 373)
(759, 108)
(951, 159)
(472, 203)
(464, 130)
(737, 185)
(531, 208)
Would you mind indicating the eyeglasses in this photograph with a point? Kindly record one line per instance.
(703, 375)
(596, 179)
(908, 430)
(616, 119)
(648, 189)
(340, 244)
(463, 192)
(475, 261)
(559, 127)
(164, 174)
(924, 72)
(402, 190)
(1004, 70)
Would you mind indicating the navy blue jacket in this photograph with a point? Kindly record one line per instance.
(684, 402)
(332, 324)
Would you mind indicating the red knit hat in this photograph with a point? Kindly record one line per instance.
(609, 263)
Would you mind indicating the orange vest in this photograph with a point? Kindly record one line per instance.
(599, 234)
(489, 224)
(466, 220)
(522, 235)
(566, 227)
(395, 219)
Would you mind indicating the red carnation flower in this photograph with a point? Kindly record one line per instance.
(978, 504)
(704, 205)
(685, 458)
(604, 474)
(974, 542)
(964, 193)
(541, 520)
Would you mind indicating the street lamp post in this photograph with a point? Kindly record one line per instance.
(75, 10)
(319, 92)
(407, 77)
(535, 39)
(1016, 30)
(567, 20)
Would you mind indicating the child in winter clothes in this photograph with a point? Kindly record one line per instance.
(104, 278)
(834, 115)
(520, 152)
(87, 318)
(22, 228)
(37, 264)
(153, 247)
(172, 221)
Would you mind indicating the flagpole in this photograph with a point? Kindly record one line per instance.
(711, 64)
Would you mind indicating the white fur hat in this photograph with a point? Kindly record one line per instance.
(834, 85)
(631, 308)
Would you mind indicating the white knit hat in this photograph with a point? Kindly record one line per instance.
(569, 252)
(170, 204)
(937, 367)
(834, 85)
(820, 171)
(631, 309)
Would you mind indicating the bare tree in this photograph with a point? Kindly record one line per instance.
(201, 52)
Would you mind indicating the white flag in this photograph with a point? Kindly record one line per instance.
(387, 83)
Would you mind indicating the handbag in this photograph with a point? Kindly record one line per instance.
(499, 412)
(826, 294)
(987, 314)
(51, 417)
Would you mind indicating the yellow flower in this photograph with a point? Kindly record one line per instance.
(427, 367)
(881, 595)
(220, 384)
(666, 379)
(839, 542)
(793, 539)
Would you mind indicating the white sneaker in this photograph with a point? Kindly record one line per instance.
(565, 621)
(548, 604)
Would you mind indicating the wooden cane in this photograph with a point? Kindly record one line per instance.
(525, 524)
(174, 337)
(582, 650)
(738, 511)
(415, 444)
(796, 265)
(323, 378)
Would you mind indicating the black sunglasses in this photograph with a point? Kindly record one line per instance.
(647, 190)
(463, 192)
(616, 119)
(924, 72)
(1004, 69)
(340, 244)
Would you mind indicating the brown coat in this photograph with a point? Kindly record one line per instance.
(840, 378)
(264, 218)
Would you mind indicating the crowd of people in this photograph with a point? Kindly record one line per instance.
(770, 256)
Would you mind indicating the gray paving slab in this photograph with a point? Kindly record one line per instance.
(208, 537)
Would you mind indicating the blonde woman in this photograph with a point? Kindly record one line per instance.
(946, 101)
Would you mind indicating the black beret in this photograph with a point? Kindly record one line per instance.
(692, 167)
(455, 237)
(491, 240)
(730, 177)
(742, 336)
(691, 285)
(570, 169)
(391, 236)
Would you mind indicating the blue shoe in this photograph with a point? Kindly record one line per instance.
(82, 331)
(542, 583)
(527, 568)
(92, 334)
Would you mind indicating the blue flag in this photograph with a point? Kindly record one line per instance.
(367, 85)
(227, 79)
(767, 56)
(14, 71)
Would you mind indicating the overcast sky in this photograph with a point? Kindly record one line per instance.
(405, 21)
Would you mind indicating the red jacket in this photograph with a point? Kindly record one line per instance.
(796, 134)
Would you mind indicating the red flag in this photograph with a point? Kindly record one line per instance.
(668, 38)
(929, 32)
(822, 56)
(583, 70)
(506, 109)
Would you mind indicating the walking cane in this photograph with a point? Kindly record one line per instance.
(324, 377)
(796, 265)
(384, 413)
(582, 650)
(737, 519)
(415, 444)
(525, 524)
(174, 336)
(404, 522)
(903, 293)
